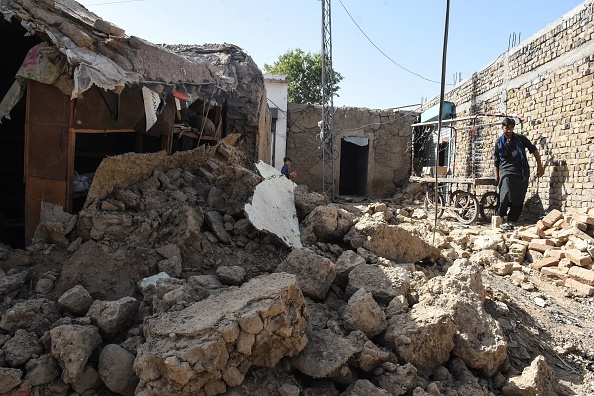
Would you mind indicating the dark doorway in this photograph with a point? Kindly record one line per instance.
(353, 168)
(14, 46)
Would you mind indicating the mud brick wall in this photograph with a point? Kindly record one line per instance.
(389, 134)
(547, 81)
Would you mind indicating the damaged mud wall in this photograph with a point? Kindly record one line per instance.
(548, 81)
(245, 111)
(370, 145)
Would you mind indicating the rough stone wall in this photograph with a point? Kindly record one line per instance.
(548, 81)
(389, 135)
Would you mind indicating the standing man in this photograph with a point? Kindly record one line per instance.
(512, 171)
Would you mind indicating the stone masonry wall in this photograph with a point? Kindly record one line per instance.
(548, 82)
(389, 135)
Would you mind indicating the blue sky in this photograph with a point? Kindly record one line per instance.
(409, 32)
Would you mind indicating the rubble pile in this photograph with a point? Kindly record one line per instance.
(561, 247)
(163, 286)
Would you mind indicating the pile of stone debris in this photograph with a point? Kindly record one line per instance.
(163, 286)
(562, 248)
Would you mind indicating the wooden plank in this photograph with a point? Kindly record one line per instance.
(102, 130)
(70, 158)
(46, 151)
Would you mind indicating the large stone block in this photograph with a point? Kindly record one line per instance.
(212, 344)
(315, 273)
(384, 283)
(397, 244)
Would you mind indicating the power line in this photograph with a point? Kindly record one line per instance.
(115, 2)
(382, 52)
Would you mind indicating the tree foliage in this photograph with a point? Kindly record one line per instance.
(304, 76)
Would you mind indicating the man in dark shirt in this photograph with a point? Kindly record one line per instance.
(512, 170)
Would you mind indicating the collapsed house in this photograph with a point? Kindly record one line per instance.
(89, 91)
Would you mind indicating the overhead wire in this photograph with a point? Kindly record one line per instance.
(382, 52)
(115, 2)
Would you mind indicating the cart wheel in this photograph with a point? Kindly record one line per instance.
(430, 204)
(465, 206)
(488, 207)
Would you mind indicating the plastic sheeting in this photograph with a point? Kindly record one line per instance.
(91, 67)
(359, 141)
(42, 63)
(151, 104)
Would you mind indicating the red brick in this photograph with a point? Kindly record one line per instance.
(552, 217)
(580, 288)
(578, 258)
(539, 247)
(583, 218)
(582, 275)
(541, 226)
(545, 262)
(557, 253)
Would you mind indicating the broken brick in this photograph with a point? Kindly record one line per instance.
(557, 253)
(582, 275)
(578, 257)
(545, 262)
(583, 218)
(552, 217)
(552, 274)
(580, 288)
(539, 247)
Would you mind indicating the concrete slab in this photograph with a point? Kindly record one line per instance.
(273, 206)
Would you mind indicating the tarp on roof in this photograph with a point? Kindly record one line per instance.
(101, 54)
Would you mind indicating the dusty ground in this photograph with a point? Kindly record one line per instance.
(537, 317)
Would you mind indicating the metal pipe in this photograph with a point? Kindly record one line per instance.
(440, 115)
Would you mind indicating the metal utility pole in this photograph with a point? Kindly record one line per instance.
(327, 123)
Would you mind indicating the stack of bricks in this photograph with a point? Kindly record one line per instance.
(567, 245)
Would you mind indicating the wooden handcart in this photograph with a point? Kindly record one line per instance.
(456, 195)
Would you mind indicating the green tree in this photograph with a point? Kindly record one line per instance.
(304, 76)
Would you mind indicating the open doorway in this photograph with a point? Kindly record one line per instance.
(354, 160)
(14, 46)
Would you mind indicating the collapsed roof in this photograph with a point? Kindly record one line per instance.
(103, 55)
(99, 53)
